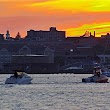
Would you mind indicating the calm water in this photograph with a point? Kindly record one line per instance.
(55, 92)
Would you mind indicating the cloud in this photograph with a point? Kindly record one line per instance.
(74, 16)
(26, 0)
(75, 24)
(40, 0)
(100, 28)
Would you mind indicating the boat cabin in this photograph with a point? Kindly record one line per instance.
(18, 73)
(97, 71)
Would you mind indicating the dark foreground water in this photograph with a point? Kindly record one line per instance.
(55, 92)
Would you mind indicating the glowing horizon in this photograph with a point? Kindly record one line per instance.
(74, 17)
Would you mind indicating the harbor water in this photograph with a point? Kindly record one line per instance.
(54, 92)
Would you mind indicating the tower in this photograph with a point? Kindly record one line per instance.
(94, 33)
(90, 34)
(18, 36)
(7, 35)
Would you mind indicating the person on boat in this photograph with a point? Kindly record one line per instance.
(15, 74)
(97, 71)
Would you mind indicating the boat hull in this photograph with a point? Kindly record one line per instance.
(102, 81)
(96, 79)
(13, 80)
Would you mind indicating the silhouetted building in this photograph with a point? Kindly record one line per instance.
(1, 37)
(29, 59)
(49, 52)
(51, 35)
(104, 58)
(105, 36)
(25, 50)
(31, 64)
(79, 54)
(5, 56)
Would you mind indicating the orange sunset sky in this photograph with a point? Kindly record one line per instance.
(73, 16)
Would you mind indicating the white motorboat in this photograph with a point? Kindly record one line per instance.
(98, 77)
(19, 78)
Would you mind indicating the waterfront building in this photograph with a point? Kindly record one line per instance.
(50, 53)
(5, 56)
(25, 50)
(104, 58)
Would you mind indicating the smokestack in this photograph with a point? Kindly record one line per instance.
(94, 33)
(90, 34)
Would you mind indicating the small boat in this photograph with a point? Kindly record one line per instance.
(19, 77)
(98, 77)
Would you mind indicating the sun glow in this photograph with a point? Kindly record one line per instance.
(74, 16)
(101, 28)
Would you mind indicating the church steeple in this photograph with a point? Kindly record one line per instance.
(7, 35)
(18, 36)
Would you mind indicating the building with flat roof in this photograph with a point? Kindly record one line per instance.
(31, 64)
(52, 35)
(27, 59)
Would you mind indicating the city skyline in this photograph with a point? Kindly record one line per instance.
(74, 17)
